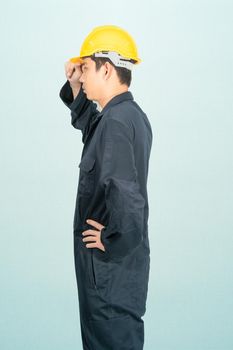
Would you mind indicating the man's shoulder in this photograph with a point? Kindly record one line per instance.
(126, 111)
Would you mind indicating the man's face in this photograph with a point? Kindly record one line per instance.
(92, 80)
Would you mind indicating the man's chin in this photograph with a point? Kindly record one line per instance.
(88, 95)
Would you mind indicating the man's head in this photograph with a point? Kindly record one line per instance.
(100, 77)
(108, 54)
(124, 75)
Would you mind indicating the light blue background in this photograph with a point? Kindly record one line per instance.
(184, 84)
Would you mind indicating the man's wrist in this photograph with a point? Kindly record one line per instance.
(75, 89)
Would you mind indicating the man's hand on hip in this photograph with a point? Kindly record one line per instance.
(93, 236)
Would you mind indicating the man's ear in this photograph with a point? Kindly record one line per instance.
(107, 72)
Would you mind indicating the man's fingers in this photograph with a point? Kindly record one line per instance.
(77, 65)
(90, 232)
(89, 239)
(92, 245)
(69, 68)
(70, 72)
(73, 72)
(95, 224)
(96, 245)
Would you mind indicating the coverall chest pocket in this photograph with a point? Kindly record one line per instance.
(87, 176)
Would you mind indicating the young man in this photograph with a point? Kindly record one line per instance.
(111, 246)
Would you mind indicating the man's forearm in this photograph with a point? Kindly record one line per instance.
(75, 89)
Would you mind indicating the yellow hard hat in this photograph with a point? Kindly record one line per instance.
(110, 41)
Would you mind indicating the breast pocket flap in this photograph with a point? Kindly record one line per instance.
(87, 164)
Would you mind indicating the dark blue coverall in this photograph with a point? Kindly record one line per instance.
(112, 190)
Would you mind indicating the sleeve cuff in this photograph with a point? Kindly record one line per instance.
(66, 95)
(76, 102)
(107, 254)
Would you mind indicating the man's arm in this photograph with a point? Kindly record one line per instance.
(83, 111)
(124, 201)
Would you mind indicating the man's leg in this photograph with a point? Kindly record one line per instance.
(118, 333)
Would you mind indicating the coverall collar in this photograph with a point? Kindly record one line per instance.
(127, 95)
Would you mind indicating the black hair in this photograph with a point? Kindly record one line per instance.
(124, 74)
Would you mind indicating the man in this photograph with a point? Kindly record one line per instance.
(111, 246)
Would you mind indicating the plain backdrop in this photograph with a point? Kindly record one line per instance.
(184, 85)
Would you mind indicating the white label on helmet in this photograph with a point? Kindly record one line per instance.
(117, 59)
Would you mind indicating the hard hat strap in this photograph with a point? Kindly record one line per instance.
(117, 59)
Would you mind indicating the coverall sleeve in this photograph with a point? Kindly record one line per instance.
(124, 202)
(83, 111)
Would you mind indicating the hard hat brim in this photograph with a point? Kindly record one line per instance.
(76, 59)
